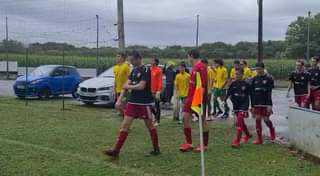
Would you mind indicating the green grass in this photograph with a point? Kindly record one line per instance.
(40, 139)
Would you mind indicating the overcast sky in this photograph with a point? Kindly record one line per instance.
(149, 22)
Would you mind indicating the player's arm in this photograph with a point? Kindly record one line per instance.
(290, 84)
(142, 84)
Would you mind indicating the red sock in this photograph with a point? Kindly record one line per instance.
(154, 138)
(188, 135)
(259, 127)
(205, 138)
(120, 140)
(242, 124)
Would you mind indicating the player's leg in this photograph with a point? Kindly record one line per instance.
(122, 136)
(316, 97)
(244, 128)
(205, 134)
(226, 107)
(237, 137)
(187, 146)
(154, 136)
(258, 115)
(269, 124)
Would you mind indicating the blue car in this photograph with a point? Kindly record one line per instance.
(46, 81)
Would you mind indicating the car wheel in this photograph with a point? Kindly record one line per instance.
(75, 94)
(44, 94)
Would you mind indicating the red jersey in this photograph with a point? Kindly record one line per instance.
(156, 79)
(202, 69)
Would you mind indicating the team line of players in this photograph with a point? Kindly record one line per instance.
(244, 88)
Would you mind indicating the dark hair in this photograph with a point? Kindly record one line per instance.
(195, 54)
(244, 62)
(122, 54)
(219, 61)
(236, 62)
(135, 54)
(300, 61)
(205, 61)
(260, 64)
(156, 60)
(183, 64)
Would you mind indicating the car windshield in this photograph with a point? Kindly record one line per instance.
(108, 73)
(42, 71)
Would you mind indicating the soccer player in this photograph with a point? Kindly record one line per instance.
(247, 73)
(198, 67)
(239, 93)
(261, 102)
(139, 105)
(170, 76)
(182, 85)
(236, 65)
(156, 86)
(211, 77)
(314, 97)
(300, 81)
(221, 81)
(121, 73)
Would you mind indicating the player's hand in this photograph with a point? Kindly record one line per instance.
(126, 86)
(288, 95)
(118, 104)
(157, 95)
(269, 110)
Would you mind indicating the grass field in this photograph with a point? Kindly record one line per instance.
(40, 139)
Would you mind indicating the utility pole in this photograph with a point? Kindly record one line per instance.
(308, 38)
(120, 24)
(260, 32)
(97, 59)
(7, 47)
(197, 34)
(63, 77)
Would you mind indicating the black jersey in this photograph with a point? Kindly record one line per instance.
(143, 97)
(315, 77)
(300, 82)
(239, 93)
(262, 90)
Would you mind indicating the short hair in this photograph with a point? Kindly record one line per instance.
(236, 62)
(205, 61)
(219, 61)
(260, 64)
(194, 53)
(300, 61)
(244, 62)
(122, 54)
(156, 60)
(183, 64)
(135, 54)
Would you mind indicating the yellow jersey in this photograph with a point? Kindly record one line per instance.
(221, 77)
(121, 75)
(211, 77)
(181, 83)
(247, 73)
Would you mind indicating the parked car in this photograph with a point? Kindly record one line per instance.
(98, 89)
(48, 80)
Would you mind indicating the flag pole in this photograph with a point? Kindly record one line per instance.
(201, 140)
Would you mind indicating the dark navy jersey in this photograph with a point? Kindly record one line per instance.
(239, 94)
(262, 90)
(314, 77)
(143, 97)
(300, 82)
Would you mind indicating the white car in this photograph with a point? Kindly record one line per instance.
(98, 89)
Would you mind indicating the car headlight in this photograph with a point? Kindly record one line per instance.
(35, 82)
(104, 88)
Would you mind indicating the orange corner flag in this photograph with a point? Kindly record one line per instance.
(198, 95)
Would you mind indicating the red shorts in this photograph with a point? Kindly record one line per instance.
(138, 111)
(300, 99)
(314, 96)
(261, 111)
(243, 114)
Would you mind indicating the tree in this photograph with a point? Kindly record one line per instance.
(296, 37)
